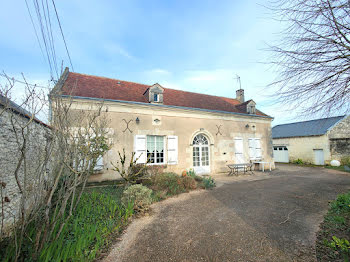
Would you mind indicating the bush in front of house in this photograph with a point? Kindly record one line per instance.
(139, 195)
(191, 173)
(168, 182)
(208, 182)
(189, 183)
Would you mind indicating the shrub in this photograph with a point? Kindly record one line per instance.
(341, 204)
(345, 161)
(208, 182)
(298, 161)
(191, 173)
(139, 195)
(340, 244)
(141, 170)
(189, 183)
(169, 182)
(156, 169)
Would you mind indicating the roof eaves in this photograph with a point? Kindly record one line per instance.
(296, 136)
(167, 106)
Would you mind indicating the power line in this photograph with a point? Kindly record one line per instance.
(38, 13)
(64, 40)
(36, 33)
(22, 82)
(49, 34)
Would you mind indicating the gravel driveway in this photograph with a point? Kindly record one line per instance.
(266, 217)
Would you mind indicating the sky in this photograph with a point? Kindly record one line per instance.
(197, 46)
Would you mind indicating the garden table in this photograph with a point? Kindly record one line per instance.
(235, 168)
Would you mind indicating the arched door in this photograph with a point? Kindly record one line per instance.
(201, 154)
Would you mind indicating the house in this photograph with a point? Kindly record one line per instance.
(317, 141)
(22, 141)
(173, 128)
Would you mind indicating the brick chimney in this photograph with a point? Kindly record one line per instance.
(240, 95)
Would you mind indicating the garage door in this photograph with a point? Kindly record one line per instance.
(280, 154)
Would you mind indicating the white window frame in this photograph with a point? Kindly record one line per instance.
(164, 151)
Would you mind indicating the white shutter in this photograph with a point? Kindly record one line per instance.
(258, 148)
(239, 150)
(172, 150)
(252, 153)
(99, 163)
(140, 149)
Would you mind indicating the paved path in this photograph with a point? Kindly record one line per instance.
(266, 217)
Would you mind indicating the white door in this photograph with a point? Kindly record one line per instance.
(280, 154)
(201, 155)
(319, 157)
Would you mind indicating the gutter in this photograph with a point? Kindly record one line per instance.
(165, 106)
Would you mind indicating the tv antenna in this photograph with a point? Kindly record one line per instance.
(238, 78)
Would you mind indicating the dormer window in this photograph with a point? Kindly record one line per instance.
(251, 107)
(156, 97)
(155, 94)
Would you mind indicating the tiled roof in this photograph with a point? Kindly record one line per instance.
(106, 88)
(307, 128)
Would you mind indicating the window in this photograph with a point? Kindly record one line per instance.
(156, 97)
(155, 149)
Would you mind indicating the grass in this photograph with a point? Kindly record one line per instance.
(98, 217)
(332, 240)
(340, 168)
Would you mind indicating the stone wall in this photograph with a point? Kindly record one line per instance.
(32, 172)
(339, 139)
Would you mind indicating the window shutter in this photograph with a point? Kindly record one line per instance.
(140, 149)
(172, 150)
(258, 148)
(99, 163)
(251, 143)
(239, 150)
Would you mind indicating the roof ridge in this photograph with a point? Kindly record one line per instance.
(103, 77)
(309, 120)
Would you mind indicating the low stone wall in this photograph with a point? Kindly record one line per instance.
(31, 166)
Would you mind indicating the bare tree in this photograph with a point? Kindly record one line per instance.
(314, 55)
(51, 165)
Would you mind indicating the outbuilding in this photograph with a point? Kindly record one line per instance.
(317, 141)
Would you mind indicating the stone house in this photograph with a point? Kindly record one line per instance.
(172, 128)
(14, 119)
(317, 141)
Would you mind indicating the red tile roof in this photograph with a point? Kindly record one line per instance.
(106, 88)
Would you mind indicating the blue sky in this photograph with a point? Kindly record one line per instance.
(196, 46)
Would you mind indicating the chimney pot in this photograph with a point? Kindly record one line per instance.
(240, 95)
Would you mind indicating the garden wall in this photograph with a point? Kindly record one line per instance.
(31, 171)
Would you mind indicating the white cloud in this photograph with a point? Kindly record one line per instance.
(115, 49)
(159, 71)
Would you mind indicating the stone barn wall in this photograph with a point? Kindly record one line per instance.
(339, 139)
(32, 172)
